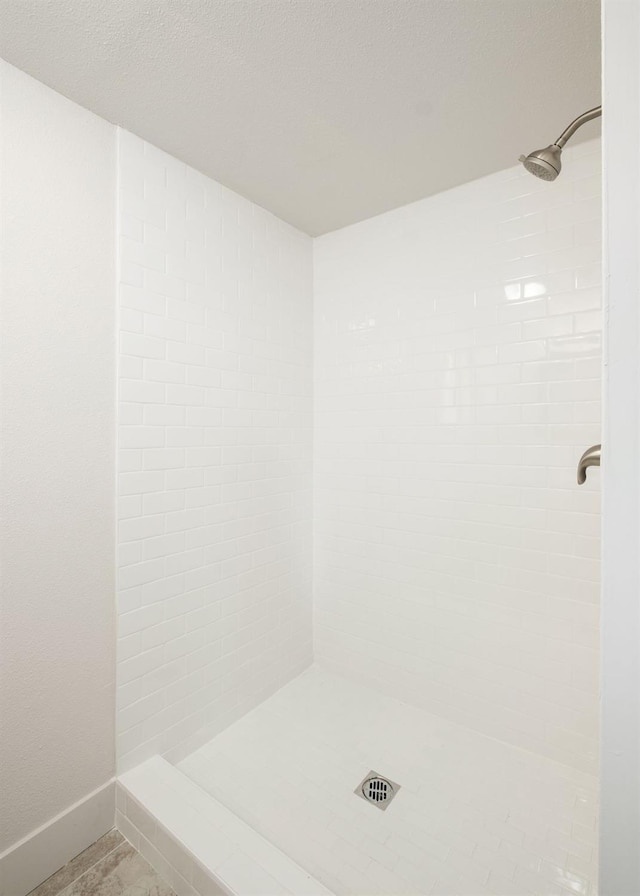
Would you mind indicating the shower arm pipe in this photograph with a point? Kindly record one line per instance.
(566, 135)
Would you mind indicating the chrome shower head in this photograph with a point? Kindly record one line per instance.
(544, 163)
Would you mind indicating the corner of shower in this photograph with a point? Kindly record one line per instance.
(445, 738)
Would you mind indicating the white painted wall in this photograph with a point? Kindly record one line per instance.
(457, 383)
(620, 767)
(57, 478)
(215, 385)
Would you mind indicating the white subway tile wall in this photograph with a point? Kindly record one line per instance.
(457, 381)
(215, 445)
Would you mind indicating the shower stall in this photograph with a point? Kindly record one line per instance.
(352, 552)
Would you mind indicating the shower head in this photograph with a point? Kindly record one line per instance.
(546, 163)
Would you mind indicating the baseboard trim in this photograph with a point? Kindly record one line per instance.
(35, 858)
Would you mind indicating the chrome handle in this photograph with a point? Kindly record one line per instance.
(591, 458)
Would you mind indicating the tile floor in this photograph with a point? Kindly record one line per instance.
(473, 816)
(110, 867)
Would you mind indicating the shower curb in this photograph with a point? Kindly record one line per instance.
(198, 845)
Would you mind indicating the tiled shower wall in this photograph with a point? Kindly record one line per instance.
(457, 382)
(215, 405)
(458, 354)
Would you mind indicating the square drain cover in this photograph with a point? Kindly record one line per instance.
(377, 790)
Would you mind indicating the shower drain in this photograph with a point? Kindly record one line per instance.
(377, 790)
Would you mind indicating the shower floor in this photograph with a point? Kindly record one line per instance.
(473, 815)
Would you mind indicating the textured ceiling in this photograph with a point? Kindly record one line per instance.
(325, 112)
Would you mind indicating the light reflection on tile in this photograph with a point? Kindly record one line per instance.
(531, 290)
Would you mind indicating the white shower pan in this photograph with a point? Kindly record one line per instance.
(267, 806)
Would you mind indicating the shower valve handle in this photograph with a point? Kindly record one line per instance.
(590, 458)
